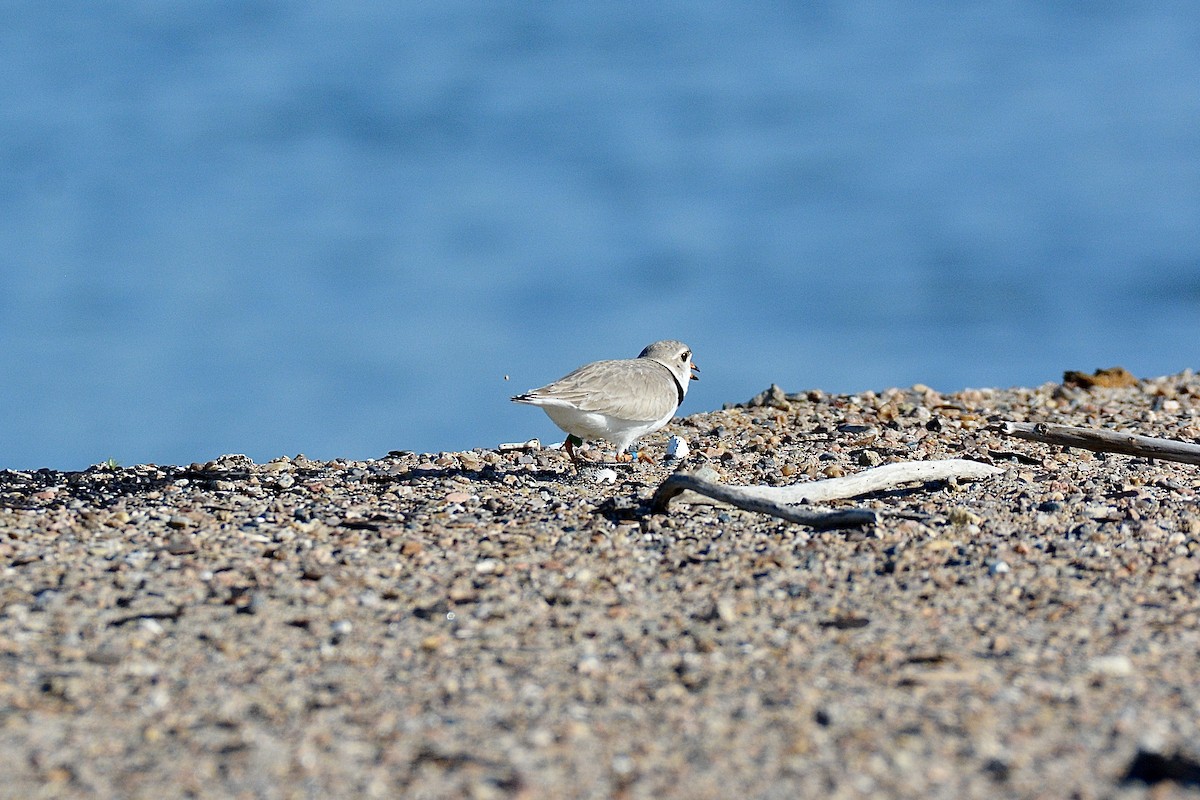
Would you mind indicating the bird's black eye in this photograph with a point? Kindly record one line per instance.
(686, 355)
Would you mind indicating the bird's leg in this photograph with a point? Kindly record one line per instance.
(638, 456)
(569, 446)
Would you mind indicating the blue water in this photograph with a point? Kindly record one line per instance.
(335, 227)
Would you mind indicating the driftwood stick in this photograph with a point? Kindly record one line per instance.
(737, 496)
(777, 500)
(1104, 441)
(889, 476)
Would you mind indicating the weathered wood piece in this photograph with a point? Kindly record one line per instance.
(1104, 441)
(876, 479)
(778, 501)
(737, 496)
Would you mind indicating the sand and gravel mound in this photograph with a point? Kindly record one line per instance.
(492, 624)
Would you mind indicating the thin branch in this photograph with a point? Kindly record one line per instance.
(1104, 441)
(889, 476)
(737, 496)
(777, 500)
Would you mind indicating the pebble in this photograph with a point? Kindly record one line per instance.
(963, 516)
(869, 458)
(489, 566)
(530, 444)
(1117, 666)
(677, 448)
(604, 475)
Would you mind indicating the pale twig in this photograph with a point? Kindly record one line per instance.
(1104, 441)
(778, 501)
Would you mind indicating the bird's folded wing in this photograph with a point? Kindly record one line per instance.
(636, 390)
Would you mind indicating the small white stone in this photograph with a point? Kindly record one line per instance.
(677, 447)
(151, 626)
(606, 475)
(531, 444)
(541, 738)
(589, 665)
(1111, 666)
(1099, 511)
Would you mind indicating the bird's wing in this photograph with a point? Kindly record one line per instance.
(636, 389)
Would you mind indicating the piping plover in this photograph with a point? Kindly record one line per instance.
(620, 400)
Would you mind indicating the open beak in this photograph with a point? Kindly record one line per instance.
(695, 377)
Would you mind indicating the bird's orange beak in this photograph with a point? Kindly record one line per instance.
(695, 377)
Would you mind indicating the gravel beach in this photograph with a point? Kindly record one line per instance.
(493, 624)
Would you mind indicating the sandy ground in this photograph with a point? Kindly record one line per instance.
(494, 624)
